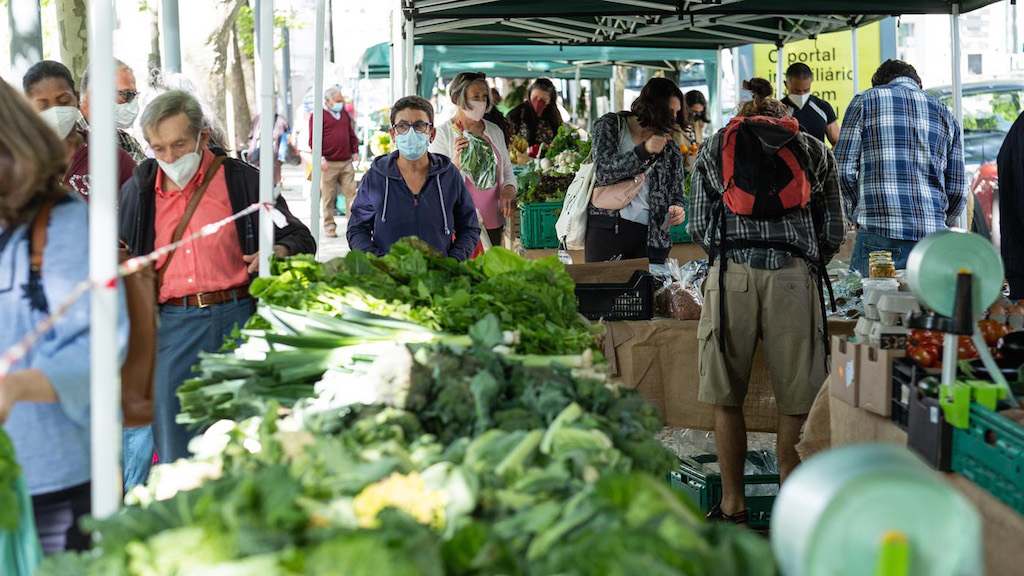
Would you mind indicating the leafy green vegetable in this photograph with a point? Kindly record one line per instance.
(478, 160)
(9, 473)
(568, 139)
(535, 298)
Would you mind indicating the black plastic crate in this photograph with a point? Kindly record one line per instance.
(906, 373)
(633, 300)
(928, 433)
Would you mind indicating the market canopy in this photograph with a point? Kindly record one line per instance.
(519, 61)
(652, 24)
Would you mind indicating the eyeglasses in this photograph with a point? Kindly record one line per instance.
(127, 95)
(420, 126)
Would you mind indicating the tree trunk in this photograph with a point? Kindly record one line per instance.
(239, 92)
(155, 61)
(73, 25)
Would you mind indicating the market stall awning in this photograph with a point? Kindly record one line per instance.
(516, 61)
(652, 24)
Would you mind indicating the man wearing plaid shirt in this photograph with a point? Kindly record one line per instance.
(766, 292)
(901, 165)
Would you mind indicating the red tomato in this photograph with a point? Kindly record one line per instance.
(923, 357)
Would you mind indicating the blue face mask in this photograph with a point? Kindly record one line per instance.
(412, 145)
(338, 106)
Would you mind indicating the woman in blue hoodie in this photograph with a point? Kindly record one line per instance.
(411, 192)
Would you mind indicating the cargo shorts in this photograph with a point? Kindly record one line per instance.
(778, 307)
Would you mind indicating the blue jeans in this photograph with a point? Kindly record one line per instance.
(868, 242)
(184, 332)
(136, 455)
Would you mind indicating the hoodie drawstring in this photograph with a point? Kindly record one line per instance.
(384, 212)
(444, 212)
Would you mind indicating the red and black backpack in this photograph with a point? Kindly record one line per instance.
(763, 167)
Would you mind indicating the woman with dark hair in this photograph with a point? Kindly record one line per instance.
(44, 399)
(697, 106)
(630, 144)
(51, 90)
(537, 120)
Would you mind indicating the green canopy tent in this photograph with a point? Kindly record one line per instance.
(701, 24)
(512, 61)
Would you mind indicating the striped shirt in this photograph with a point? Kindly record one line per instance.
(901, 162)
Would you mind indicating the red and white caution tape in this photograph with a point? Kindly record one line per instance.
(16, 353)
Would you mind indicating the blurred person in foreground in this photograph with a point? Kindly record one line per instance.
(768, 236)
(45, 398)
(413, 192)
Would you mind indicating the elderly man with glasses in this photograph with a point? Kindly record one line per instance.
(412, 192)
(126, 110)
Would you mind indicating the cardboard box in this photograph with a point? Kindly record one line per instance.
(617, 272)
(845, 373)
(875, 384)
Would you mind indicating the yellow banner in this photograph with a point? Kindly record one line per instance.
(830, 58)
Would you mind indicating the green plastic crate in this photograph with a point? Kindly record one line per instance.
(990, 453)
(705, 489)
(678, 234)
(537, 224)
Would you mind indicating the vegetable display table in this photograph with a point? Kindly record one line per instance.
(659, 359)
(1003, 529)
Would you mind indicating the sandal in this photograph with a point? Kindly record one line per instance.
(332, 232)
(741, 518)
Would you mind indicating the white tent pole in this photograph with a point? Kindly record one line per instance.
(578, 87)
(265, 62)
(105, 369)
(397, 52)
(720, 104)
(318, 125)
(410, 58)
(780, 70)
(855, 60)
(958, 88)
(736, 75)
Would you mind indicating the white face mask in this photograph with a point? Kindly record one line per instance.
(476, 111)
(183, 169)
(61, 118)
(126, 113)
(799, 100)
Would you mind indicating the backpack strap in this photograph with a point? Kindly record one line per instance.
(36, 247)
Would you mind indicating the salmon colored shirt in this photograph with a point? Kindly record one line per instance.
(209, 264)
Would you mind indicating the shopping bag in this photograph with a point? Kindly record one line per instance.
(571, 227)
(20, 553)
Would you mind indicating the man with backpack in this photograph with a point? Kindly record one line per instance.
(765, 205)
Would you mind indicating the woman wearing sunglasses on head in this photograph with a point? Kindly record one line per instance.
(495, 200)
(412, 192)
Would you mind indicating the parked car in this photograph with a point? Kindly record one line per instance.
(990, 108)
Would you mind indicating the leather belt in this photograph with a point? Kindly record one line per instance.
(207, 299)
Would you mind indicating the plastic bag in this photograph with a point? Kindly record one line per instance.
(20, 553)
(681, 297)
(478, 161)
(688, 443)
